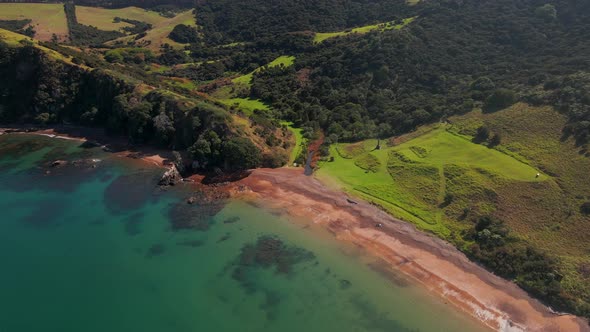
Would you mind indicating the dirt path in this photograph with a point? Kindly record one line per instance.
(437, 265)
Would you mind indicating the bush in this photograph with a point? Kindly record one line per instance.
(481, 135)
(585, 208)
(240, 153)
(500, 99)
(184, 34)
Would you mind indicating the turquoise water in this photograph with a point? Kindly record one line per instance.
(97, 247)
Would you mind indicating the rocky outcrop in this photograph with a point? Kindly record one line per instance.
(170, 177)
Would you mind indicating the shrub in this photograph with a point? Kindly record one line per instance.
(501, 98)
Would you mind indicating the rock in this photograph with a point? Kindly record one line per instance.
(170, 177)
(58, 163)
(191, 200)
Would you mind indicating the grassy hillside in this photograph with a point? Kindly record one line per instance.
(283, 60)
(103, 18)
(47, 19)
(410, 179)
(158, 35)
(393, 25)
(546, 214)
(17, 40)
(438, 179)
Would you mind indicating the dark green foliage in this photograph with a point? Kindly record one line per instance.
(129, 55)
(18, 26)
(240, 153)
(274, 159)
(227, 20)
(137, 26)
(171, 56)
(184, 34)
(495, 140)
(499, 99)
(585, 208)
(511, 258)
(83, 34)
(482, 135)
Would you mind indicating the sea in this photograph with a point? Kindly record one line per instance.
(90, 243)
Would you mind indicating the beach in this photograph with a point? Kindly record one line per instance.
(439, 266)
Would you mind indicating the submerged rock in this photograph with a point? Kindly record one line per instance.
(170, 177)
(57, 163)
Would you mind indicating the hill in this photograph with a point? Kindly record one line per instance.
(46, 19)
(441, 180)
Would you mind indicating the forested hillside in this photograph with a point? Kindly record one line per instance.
(227, 20)
(453, 57)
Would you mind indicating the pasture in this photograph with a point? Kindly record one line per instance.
(321, 36)
(283, 60)
(103, 18)
(411, 180)
(47, 19)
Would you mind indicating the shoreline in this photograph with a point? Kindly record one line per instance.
(437, 265)
(118, 146)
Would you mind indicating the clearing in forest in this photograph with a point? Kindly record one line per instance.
(103, 18)
(47, 19)
(393, 25)
(284, 60)
(158, 35)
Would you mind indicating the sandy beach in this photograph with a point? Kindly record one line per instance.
(432, 262)
(440, 267)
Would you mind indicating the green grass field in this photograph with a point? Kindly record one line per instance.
(321, 36)
(284, 60)
(102, 18)
(47, 19)
(15, 39)
(411, 179)
(299, 142)
(158, 35)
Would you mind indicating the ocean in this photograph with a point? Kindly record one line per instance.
(93, 244)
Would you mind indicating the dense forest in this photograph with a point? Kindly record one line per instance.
(39, 90)
(447, 62)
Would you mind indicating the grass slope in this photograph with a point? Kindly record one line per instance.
(16, 40)
(102, 18)
(158, 35)
(284, 60)
(321, 36)
(546, 214)
(410, 179)
(47, 19)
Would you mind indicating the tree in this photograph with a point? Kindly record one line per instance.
(481, 135)
(240, 153)
(500, 99)
(184, 34)
(164, 128)
(496, 140)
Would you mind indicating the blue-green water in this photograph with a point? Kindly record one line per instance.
(94, 247)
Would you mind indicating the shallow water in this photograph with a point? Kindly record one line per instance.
(97, 247)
